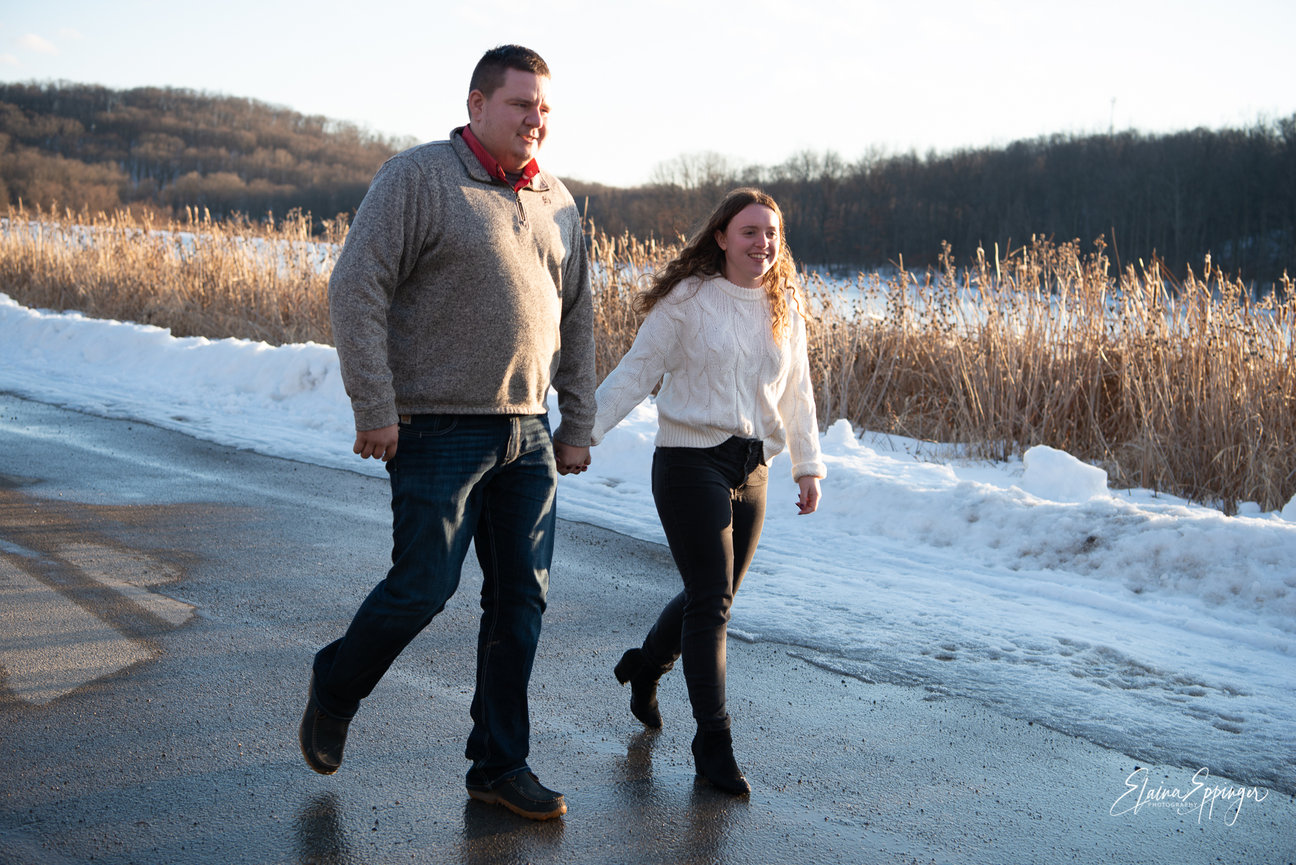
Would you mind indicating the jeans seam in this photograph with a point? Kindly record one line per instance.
(487, 651)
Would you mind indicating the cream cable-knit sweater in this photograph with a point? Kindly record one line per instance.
(710, 345)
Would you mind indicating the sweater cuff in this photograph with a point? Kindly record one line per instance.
(814, 468)
(375, 418)
(576, 435)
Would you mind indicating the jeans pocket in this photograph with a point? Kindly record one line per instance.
(428, 425)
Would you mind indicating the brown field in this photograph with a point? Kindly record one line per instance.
(1183, 388)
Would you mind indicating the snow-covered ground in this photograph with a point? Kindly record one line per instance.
(1140, 622)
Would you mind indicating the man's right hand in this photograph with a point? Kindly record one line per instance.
(377, 443)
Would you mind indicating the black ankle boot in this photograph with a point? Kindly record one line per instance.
(642, 675)
(713, 753)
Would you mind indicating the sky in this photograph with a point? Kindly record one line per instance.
(1161, 629)
(636, 85)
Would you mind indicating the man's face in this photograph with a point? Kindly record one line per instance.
(512, 122)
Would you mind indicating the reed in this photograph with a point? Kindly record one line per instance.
(196, 276)
(1186, 388)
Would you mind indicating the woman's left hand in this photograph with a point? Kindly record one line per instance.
(808, 502)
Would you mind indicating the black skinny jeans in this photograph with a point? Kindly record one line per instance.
(712, 505)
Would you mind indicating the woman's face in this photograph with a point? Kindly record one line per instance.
(751, 243)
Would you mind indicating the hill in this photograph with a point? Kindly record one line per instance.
(75, 145)
(1174, 199)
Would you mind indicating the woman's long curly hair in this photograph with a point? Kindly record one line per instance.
(702, 256)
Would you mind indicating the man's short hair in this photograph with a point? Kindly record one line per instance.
(491, 70)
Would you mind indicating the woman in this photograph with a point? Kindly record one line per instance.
(724, 334)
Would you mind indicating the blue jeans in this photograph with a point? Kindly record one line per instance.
(712, 506)
(491, 480)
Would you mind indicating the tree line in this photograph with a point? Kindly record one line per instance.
(1229, 194)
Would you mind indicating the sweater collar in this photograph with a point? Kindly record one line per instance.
(491, 164)
(740, 292)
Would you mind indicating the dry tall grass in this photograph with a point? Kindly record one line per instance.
(1183, 388)
(1186, 389)
(197, 276)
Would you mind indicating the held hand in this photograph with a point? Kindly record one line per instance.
(571, 460)
(377, 443)
(808, 501)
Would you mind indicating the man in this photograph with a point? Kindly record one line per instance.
(462, 293)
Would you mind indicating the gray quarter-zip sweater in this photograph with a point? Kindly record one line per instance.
(454, 294)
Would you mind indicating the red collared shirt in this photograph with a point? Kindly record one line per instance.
(491, 164)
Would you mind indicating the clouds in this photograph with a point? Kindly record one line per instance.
(19, 52)
(37, 44)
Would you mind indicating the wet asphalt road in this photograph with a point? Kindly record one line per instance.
(160, 601)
